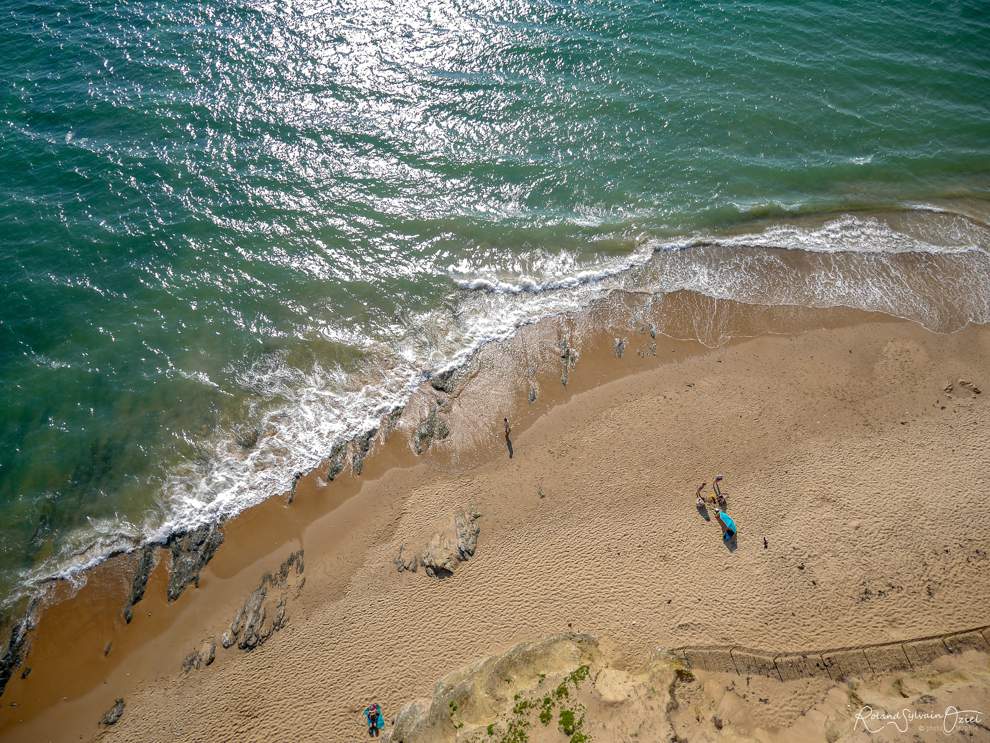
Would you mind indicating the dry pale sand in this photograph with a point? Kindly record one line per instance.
(838, 444)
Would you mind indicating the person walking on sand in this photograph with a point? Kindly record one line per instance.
(508, 441)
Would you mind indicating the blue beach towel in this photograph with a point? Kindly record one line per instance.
(378, 722)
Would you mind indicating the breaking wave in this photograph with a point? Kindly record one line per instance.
(923, 264)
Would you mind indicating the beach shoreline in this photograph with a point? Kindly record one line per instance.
(584, 391)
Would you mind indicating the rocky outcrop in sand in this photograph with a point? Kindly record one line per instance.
(191, 550)
(432, 428)
(448, 547)
(337, 459)
(17, 645)
(448, 381)
(113, 714)
(264, 613)
(361, 447)
(146, 563)
(200, 658)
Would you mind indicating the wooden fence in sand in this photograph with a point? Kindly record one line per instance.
(837, 663)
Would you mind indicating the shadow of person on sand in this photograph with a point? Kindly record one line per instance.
(508, 441)
(703, 511)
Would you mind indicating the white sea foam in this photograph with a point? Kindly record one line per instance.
(307, 411)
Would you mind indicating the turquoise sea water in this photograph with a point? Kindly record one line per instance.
(225, 219)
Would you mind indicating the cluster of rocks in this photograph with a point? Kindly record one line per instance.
(446, 548)
(966, 384)
(191, 550)
(262, 615)
(354, 451)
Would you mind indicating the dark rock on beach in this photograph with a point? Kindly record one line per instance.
(444, 381)
(114, 713)
(433, 428)
(451, 381)
(17, 646)
(200, 658)
(146, 563)
(467, 534)
(362, 445)
(404, 562)
(249, 620)
(264, 612)
(191, 551)
(338, 456)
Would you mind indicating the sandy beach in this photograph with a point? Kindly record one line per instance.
(854, 449)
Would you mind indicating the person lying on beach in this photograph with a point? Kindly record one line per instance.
(727, 524)
(373, 716)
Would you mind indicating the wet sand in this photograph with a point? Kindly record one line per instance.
(833, 429)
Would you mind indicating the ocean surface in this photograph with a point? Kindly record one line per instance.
(234, 232)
